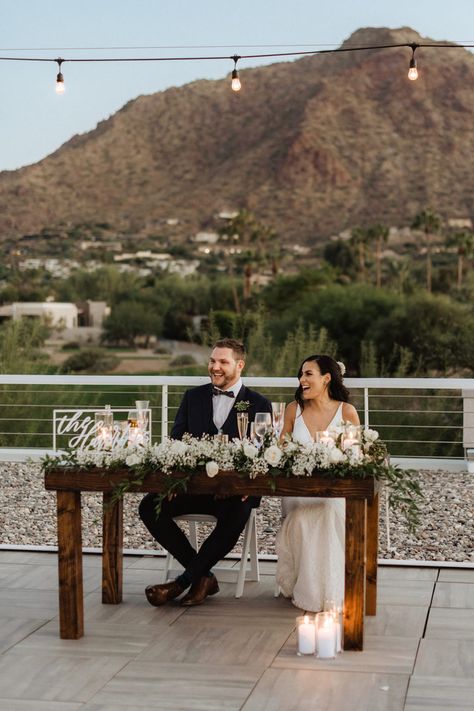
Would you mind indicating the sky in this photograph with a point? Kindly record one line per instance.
(35, 121)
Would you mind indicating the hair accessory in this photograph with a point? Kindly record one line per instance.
(342, 367)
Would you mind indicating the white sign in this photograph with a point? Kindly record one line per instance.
(85, 431)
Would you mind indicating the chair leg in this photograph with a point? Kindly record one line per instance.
(254, 569)
(243, 560)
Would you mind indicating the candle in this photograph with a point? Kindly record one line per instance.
(351, 443)
(306, 635)
(325, 438)
(326, 636)
(336, 612)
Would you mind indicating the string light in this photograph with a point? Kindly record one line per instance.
(236, 85)
(413, 71)
(60, 87)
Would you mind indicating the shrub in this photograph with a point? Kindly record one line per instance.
(89, 360)
(182, 360)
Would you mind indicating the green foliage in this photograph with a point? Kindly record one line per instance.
(20, 343)
(90, 360)
(183, 360)
(128, 321)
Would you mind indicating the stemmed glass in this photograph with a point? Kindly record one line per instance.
(278, 409)
(242, 424)
(263, 424)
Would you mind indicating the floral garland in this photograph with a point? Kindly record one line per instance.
(272, 459)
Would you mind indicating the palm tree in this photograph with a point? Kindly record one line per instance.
(430, 224)
(464, 243)
(359, 240)
(379, 234)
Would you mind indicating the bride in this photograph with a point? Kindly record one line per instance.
(310, 543)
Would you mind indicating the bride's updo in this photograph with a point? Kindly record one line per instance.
(336, 389)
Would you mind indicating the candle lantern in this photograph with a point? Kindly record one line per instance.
(305, 635)
(336, 611)
(352, 438)
(104, 428)
(326, 635)
(327, 437)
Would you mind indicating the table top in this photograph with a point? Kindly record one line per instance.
(226, 483)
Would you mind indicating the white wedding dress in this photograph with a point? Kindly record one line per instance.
(310, 543)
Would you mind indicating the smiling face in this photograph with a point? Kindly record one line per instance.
(313, 383)
(224, 370)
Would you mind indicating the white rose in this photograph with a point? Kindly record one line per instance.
(272, 455)
(211, 469)
(336, 456)
(371, 435)
(132, 459)
(178, 447)
(250, 451)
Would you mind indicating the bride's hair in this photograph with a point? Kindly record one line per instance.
(336, 389)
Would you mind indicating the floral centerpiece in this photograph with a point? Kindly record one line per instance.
(270, 460)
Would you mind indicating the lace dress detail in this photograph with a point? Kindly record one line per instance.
(310, 543)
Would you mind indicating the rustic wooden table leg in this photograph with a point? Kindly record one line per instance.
(372, 554)
(354, 596)
(71, 607)
(112, 556)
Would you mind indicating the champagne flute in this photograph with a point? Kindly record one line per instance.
(242, 424)
(278, 409)
(263, 423)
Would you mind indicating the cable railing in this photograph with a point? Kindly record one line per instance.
(419, 418)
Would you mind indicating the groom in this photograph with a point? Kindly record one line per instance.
(207, 409)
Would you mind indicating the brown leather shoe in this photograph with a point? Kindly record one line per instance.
(206, 585)
(160, 594)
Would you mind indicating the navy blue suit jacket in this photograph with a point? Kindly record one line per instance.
(195, 414)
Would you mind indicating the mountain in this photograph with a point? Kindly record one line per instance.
(312, 146)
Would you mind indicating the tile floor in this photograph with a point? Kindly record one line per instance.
(229, 654)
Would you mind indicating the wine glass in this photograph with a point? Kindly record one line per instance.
(263, 424)
(242, 423)
(278, 409)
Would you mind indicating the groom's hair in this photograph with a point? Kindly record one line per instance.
(336, 389)
(236, 346)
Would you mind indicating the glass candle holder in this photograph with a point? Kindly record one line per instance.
(278, 413)
(305, 635)
(336, 611)
(326, 635)
(104, 428)
(352, 438)
(326, 437)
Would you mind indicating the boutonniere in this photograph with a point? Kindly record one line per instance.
(242, 405)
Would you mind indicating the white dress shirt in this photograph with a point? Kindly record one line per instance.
(222, 405)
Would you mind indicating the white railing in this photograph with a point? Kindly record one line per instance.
(421, 419)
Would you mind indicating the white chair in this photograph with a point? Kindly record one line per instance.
(249, 547)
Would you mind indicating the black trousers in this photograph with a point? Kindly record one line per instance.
(231, 513)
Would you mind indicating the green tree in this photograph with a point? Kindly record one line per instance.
(359, 239)
(130, 320)
(379, 234)
(430, 224)
(464, 243)
(20, 344)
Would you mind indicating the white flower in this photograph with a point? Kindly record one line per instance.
(132, 459)
(211, 469)
(250, 451)
(370, 435)
(336, 456)
(273, 454)
(342, 367)
(178, 447)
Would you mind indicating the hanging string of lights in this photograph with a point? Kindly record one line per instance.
(236, 84)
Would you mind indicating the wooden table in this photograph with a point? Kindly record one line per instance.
(361, 534)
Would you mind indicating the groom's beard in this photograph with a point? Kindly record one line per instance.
(224, 380)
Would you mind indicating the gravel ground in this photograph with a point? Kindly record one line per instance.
(446, 533)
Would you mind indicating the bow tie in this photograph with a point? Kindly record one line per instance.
(228, 393)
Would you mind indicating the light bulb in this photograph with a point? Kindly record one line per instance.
(60, 86)
(236, 85)
(413, 71)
